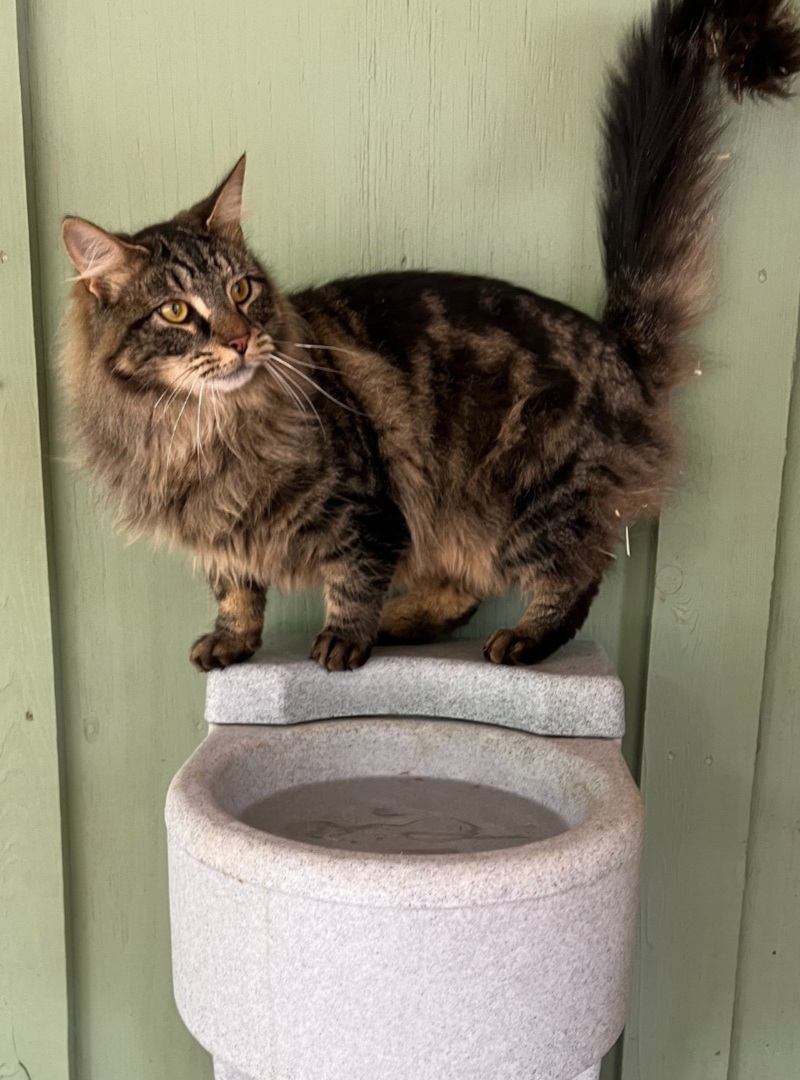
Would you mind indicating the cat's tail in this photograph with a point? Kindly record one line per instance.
(661, 164)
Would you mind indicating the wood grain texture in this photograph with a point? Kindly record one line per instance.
(716, 553)
(766, 1029)
(33, 965)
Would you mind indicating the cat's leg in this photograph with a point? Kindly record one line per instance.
(237, 631)
(426, 612)
(357, 557)
(354, 589)
(556, 613)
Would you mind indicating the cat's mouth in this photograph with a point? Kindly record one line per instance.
(230, 380)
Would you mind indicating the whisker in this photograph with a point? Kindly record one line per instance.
(178, 385)
(289, 364)
(604, 552)
(280, 378)
(287, 389)
(300, 390)
(304, 345)
(233, 449)
(215, 413)
(175, 390)
(169, 387)
(290, 389)
(180, 414)
(197, 439)
(308, 364)
(265, 339)
(218, 423)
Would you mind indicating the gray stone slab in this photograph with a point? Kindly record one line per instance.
(574, 693)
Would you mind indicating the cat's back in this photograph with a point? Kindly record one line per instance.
(464, 322)
(476, 367)
(471, 383)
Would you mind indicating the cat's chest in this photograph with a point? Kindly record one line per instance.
(273, 536)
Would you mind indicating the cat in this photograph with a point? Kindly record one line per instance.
(448, 436)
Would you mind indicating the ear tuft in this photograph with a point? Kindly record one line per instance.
(103, 261)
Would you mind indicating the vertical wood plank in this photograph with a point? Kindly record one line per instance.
(33, 964)
(715, 563)
(766, 1030)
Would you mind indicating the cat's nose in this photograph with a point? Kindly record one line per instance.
(240, 343)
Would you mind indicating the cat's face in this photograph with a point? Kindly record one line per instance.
(182, 305)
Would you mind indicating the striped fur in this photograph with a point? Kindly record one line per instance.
(451, 437)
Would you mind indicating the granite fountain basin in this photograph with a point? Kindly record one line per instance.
(410, 898)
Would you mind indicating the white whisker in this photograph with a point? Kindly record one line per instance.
(609, 553)
(162, 396)
(287, 363)
(197, 439)
(290, 388)
(332, 348)
(218, 423)
(220, 426)
(215, 414)
(179, 387)
(174, 388)
(180, 414)
(283, 383)
(269, 345)
(300, 390)
(308, 364)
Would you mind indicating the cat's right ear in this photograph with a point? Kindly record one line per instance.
(103, 261)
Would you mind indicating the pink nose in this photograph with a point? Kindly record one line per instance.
(240, 343)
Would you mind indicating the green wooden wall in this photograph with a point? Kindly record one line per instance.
(383, 133)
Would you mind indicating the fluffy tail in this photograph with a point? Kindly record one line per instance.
(662, 120)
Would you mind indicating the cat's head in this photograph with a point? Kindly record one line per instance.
(182, 304)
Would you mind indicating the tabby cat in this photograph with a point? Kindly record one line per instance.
(447, 436)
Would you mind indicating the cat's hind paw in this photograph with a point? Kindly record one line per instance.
(511, 647)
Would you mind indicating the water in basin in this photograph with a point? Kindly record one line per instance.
(413, 815)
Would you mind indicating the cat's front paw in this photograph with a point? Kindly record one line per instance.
(220, 649)
(338, 653)
(512, 647)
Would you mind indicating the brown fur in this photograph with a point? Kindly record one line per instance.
(449, 436)
(428, 611)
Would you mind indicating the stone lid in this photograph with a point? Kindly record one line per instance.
(574, 693)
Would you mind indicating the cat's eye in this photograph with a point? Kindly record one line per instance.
(175, 311)
(240, 290)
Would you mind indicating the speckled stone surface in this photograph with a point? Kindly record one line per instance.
(298, 962)
(572, 693)
(229, 1072)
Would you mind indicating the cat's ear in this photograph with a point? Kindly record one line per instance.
(103, 261)
(221, 212)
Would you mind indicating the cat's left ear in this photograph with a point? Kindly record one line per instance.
(221, 212)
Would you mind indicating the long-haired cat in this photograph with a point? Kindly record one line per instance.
(451, 436)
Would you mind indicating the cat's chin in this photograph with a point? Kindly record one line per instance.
(234, 381)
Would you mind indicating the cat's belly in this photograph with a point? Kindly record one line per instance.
(454, 547)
